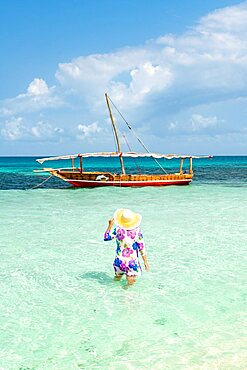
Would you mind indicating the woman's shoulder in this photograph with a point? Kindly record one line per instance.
(124, 233)
(136, 233)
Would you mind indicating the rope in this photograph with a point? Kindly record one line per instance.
(138, 168)
(140, 141)
(36, 186)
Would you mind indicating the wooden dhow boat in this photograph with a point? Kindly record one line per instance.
(77, 177)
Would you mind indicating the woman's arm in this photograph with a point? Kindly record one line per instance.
(107, 235)
(145, 263)
(142, 249)
(110, 224)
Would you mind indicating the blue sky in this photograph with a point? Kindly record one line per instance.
(177, 71)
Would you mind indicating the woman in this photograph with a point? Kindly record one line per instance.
(130, 244)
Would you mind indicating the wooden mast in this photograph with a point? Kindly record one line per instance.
(181, 166)
(116, 134)
(191, 169)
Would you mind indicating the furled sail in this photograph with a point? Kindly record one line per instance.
(122, 154)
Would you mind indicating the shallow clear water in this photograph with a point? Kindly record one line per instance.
(61, 309)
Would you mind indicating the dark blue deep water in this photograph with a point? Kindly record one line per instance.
(17, 172)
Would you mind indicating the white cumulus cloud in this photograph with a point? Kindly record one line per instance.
(205, 64)
(44, 130)
(17, 128)
(38, 87)
(38, 97)
(14, 129)
(200, 122)
(88, 130)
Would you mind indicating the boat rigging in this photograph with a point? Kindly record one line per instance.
(77, 177)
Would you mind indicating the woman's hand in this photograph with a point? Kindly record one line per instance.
(145, 263)
(146, 266)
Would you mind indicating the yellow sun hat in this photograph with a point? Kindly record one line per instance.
(127, 219)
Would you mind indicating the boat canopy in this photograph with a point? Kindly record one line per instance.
(122, 154)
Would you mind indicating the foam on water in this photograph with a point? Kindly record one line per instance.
(61, 309)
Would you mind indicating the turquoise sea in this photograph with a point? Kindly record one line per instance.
(60, 308)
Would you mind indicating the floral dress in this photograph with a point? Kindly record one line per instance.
(129, 244)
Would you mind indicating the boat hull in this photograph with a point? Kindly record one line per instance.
(99, 179)
(91, 184)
